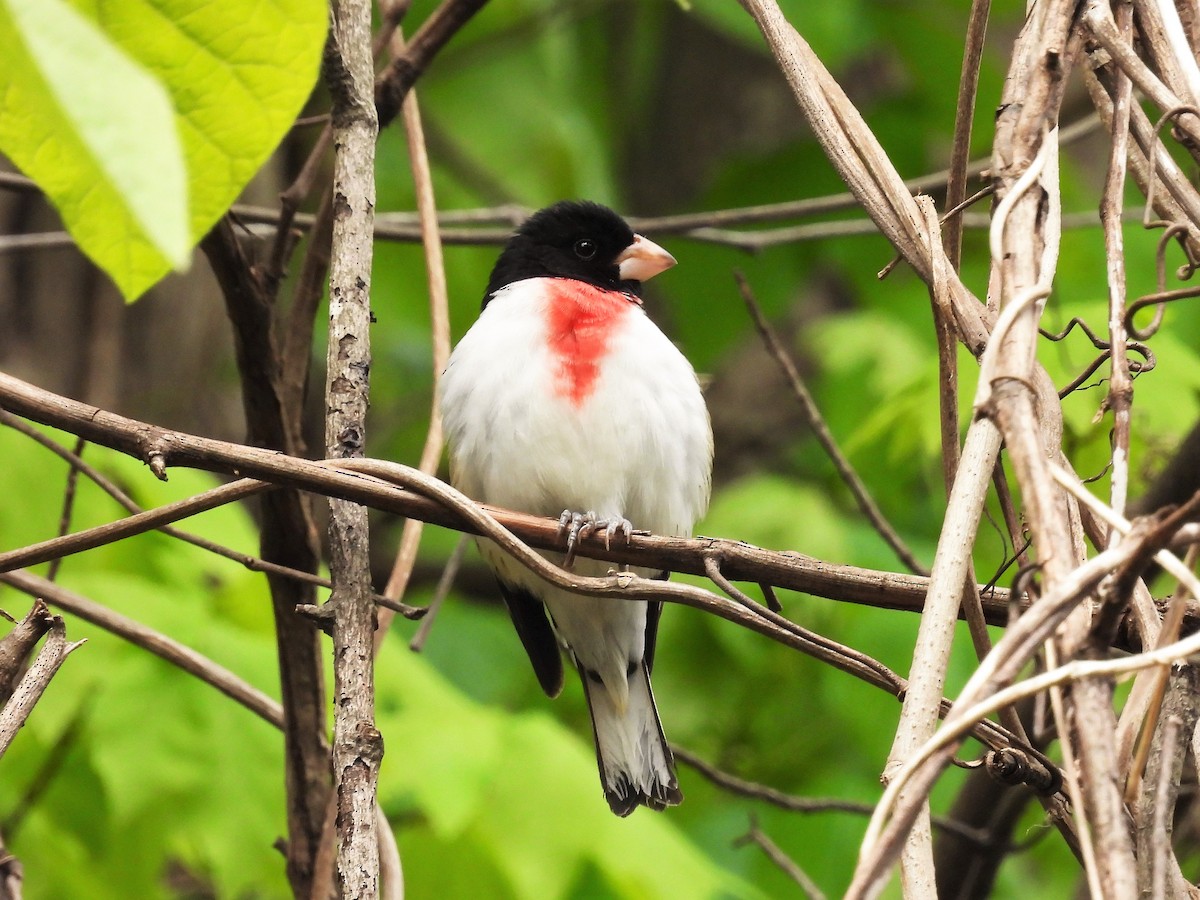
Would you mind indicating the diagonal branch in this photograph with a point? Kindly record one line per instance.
(739, 561)
(361, 482)
(155, 642)
(814, 419)
(33, 685)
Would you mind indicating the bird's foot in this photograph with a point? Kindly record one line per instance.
(577, 525)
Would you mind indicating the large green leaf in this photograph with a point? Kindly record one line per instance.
(521, 790)
(96, 130)
(143, 121)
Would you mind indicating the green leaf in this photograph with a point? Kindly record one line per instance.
(522, 789)
(143, 120)
(96, 130)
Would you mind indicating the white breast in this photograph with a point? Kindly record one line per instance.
(639, 445)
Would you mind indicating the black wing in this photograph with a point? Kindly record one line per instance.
(653, 614)
(533, 627)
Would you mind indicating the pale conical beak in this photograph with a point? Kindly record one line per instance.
(642, 260)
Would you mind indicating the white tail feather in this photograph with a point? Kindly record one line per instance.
(636, 766)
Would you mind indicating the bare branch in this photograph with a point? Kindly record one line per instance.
(439, 305)
(357, 743)
(739, 562)
(788, 865)
(767, 794)
(403, 71)
(964, 114)
(18, 644)
(148, 639)
(37, 678)
(1120, 386)
(445, 583)
(814, 419)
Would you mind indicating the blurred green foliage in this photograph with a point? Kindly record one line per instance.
(491, 789)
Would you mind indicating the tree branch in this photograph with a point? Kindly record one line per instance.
(357, 743)
(738, 561)
(29, 691)
(148, 639)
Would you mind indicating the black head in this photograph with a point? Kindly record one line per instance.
(581, 240)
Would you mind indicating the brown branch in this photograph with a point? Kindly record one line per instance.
(943, 324)
(37, 678)
(18, 644)
(68, 505)
(68, 544)
(1120, 386)
(287, 537)
(752, 790)
(445, 583)
(964, 114)
(439, 305)
(1155, 683)
(403, 71)
(456, 511)
(785, 863)
(150, 640)
(23, 243)
(1154, 811)
(739, 561)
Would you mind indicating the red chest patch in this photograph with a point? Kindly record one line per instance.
(580, 323)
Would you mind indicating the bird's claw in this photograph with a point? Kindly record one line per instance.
(578, 526)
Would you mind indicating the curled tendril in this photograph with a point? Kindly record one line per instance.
(1136, 367)
(1177, 228)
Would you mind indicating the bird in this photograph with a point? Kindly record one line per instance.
(564, 399)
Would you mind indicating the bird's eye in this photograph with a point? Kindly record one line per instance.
(585, 249)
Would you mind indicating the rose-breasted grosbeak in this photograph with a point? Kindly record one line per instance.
(565, 398)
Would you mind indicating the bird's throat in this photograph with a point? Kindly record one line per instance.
(581, 322)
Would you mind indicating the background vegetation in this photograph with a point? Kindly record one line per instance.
(133, 779)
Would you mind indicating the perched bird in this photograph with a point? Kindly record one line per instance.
(564, 399)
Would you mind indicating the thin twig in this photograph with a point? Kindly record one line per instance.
(45, 240)
(444, 585)
(439, 303)
(68, 544)
(64, 519)
(1120, 387)
(37, 678)
(1155, 682)
(785, 863)
(812, 415)
(1163, 806)
(148, 639)
(754, 791)
(964, 114)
